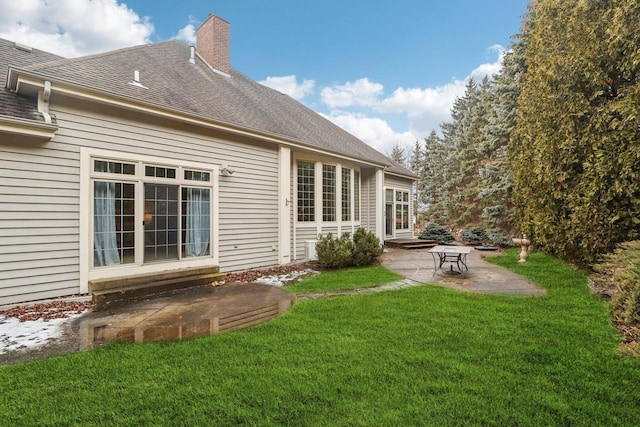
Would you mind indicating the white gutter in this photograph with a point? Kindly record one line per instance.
(27, 127)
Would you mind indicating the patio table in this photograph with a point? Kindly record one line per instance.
(450, 254)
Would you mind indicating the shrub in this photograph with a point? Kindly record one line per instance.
(434, 231)
(475, 235)
(334, 253)
(498, 238)
(347, 252)
(366, 247)
(622, 270)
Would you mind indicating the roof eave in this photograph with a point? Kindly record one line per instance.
(29, 82)
(402, 175)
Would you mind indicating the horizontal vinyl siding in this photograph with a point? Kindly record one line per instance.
(332, 230)
(368, 200)
(39, 221)
(39, 195)
(248, 227)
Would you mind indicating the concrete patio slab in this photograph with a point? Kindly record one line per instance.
(482, 277)
(186, 313)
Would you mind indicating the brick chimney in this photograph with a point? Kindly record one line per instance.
(213, 43)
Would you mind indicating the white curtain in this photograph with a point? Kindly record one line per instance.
(105, 244)
(197, 233)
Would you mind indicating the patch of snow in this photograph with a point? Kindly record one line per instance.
(16, 335)
(284, 279)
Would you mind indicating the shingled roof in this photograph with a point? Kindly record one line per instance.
(15, 55)
(170, 81)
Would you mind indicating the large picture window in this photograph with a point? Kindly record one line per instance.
(173, 217)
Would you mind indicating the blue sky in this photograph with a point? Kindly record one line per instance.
(386, 71)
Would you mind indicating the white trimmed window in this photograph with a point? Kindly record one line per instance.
(306, 192)
(333, 188)
(149, 212)
(402, 210)
(346, 194)
(356, 196)
(328, 193)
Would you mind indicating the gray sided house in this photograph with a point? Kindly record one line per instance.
(162, 158)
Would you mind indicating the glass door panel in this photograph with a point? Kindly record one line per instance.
(388, 215)
(160, 222)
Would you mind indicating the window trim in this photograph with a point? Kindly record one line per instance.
(405, 212)
(87, 176)
(298, 213)
(319, 193)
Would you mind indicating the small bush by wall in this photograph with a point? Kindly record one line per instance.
(344, 251)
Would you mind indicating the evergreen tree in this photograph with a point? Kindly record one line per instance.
(431, 174)
(415, 161)
(574, 150)
(496, 176)
(398, 154)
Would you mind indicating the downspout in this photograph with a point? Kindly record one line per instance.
(43, 101)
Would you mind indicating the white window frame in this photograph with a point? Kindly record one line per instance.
(319, 194)
(87, 176)
(402, 204)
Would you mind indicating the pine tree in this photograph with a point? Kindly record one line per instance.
(398, 154)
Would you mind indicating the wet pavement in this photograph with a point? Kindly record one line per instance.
(207, 310)
(481, 276)
(203, 310)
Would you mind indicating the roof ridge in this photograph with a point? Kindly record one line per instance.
(78, 59)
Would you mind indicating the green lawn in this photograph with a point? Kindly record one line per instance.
(419, 356)
(346, 279)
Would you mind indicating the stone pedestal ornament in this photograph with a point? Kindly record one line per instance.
(524, 247)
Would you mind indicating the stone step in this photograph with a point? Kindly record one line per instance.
(115, 291)
(411, 243)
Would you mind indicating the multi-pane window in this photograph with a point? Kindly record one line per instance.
(402, 210)
(114, 223)
(346, 194)
(338, 192)
(175, 219)
(306, 192)
(161, 222)
(114, 167)
(356, 196)
(328, 193)
(160, 172)
(190, 175)
(196, 219)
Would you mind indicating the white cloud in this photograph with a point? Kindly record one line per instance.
(426, 108)
(187, 34)
(73, 27)
(289, 85)
(362, 92)
(373, 130)
(490, 68)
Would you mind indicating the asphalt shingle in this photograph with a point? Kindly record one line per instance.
(171, 81)
(10, 103)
